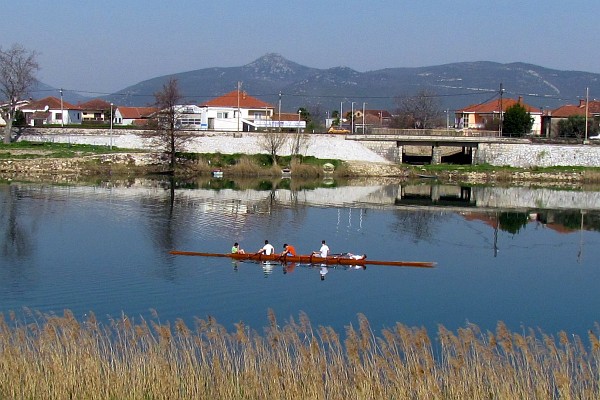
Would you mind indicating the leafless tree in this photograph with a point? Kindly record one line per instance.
(167, 133)
(421, 111)
(299, 142)
(17, 75)
(273, 142)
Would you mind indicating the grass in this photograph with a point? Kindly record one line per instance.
(28, 150)
(57, 357)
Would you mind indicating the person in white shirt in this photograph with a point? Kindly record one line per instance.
(323, 251)
(267, 249)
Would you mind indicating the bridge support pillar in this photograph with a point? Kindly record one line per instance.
(436, 155)
(399, 151)
(474, 155)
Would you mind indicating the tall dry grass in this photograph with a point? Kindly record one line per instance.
(58, 357)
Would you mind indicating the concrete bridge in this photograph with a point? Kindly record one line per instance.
(500, 151)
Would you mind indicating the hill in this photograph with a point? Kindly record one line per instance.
(457, 84)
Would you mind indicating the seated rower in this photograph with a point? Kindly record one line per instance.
(236, 249)
(267, 249)
(289, 250)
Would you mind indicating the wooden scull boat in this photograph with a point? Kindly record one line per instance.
(306, 259)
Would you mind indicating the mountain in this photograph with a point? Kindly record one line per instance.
(457, 85)
(40, 90)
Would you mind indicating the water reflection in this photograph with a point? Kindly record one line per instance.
(503, 253)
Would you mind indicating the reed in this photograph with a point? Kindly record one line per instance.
(57, 357)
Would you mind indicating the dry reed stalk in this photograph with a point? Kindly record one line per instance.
(59, 357)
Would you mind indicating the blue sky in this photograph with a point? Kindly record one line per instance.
(105, 46)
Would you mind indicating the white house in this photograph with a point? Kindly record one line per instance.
(51, 110)
(236, 111)
(137, 116)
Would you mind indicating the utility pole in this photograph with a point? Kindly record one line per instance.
(501, 111)
(239, 86)
(279, 111)
(587, 97)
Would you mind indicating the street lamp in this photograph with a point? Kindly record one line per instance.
(352, 118)
(364, 112)
(111, 124)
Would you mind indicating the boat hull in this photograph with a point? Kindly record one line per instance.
(305, 259)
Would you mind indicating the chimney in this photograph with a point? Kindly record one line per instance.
(520, 99)
(581, 103)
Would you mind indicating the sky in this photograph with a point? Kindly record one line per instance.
(102, 47)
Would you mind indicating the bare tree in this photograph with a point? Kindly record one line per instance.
(17, 74)
(273, 142)
(167, 132)
(421, 111)
(299, 142)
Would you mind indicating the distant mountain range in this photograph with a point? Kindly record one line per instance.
(457, 85)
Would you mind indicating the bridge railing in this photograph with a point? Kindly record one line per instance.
(434, 132)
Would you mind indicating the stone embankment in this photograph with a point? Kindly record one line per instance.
(360, 161)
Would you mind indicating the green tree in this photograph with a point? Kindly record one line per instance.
(574, 126)
(17, 75)
(517, 121)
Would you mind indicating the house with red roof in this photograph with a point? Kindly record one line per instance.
(137, 116)
(51, 110)
(553, 117)
(477, 117)
(96, 111)
(237, 111)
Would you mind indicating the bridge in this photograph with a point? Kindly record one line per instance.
(433, 148)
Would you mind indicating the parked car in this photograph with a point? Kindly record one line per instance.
(595, 137)
(338, 130)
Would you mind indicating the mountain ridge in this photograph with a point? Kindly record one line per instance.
(457, 85)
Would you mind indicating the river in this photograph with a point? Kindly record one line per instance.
(528, 257)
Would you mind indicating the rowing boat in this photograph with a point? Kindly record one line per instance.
(306, 259)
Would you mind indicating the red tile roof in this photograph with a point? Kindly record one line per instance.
(285, 117)
(137, 112)
(494, 106)
(95, 104)
(376, 113)
(567, 111)
(231, 100)
(52, 103)
(570, 109)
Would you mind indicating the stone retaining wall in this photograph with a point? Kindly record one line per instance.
(538, 155)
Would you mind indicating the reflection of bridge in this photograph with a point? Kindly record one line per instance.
(435, 195)
(462, 148)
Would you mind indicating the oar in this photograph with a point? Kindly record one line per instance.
(195, 253)
(421, 264)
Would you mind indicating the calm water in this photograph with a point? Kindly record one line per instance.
(509, 254)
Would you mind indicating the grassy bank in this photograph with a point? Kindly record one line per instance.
(57, 357)
(102, 161)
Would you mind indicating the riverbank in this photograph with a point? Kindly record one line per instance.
(128, 165)
(38, 164)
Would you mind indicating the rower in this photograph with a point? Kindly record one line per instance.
(288, 250)
(323, 251)
(236, 249)
(267, 249)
